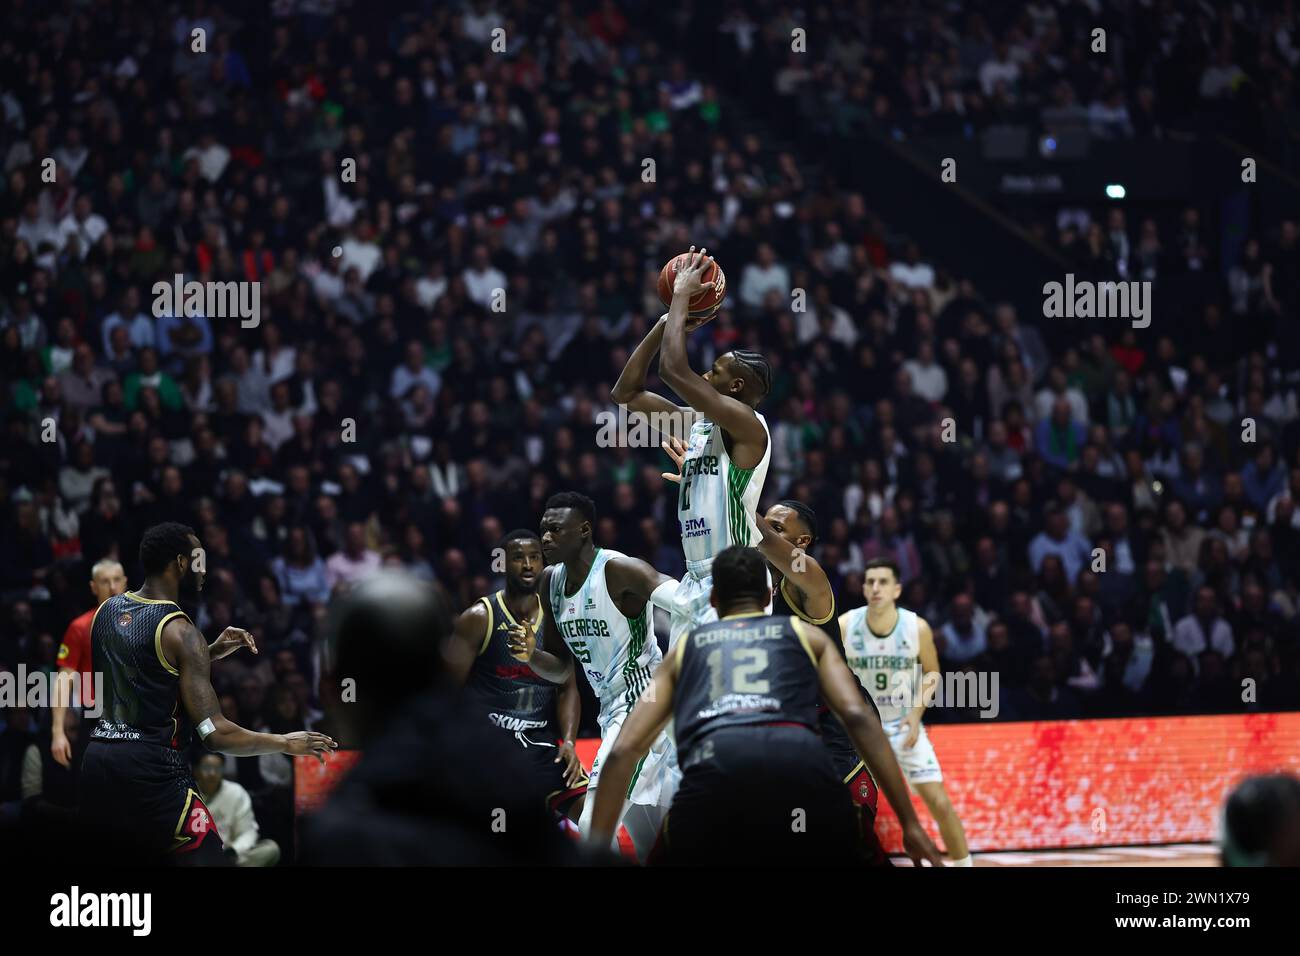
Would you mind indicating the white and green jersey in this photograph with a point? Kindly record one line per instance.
(887, 666)
(617, 653)
(716, 501)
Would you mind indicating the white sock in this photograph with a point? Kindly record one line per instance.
(964, 861)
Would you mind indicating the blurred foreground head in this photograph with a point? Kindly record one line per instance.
(1261, 822)
(385, 640)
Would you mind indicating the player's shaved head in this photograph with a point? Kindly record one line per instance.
(567, 525)
(739, 580)
(793, 520)
(107, 579)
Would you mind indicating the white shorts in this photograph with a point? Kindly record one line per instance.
(918, 763)
(691, 607)
(655, 779)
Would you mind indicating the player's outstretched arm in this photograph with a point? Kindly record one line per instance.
(231, 640)
(641, 729)
(630, 388)
(845, 701)
(183, 644)
(550, 658)
(737, 418)
(800, 569)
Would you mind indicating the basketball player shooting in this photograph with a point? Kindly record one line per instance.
(728, 448)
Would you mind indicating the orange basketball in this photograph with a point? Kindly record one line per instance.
(708, 301)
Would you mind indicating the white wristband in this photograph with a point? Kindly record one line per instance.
(664, 594)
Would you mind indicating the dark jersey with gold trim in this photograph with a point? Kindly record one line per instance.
(515, 698)
(740, 671)
(141, 690)
(832, 731)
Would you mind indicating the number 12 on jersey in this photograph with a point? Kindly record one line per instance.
(742, 675)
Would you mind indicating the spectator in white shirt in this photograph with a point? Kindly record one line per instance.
(929, 380)
(84, 223)
(430, 287)
(232, 813)
(1057, 386)
(1001, 68)
(912, 272)
(71, 156)
(1203, 629)
(212, 157)
(37, 230)
(354, 562)
(277, 421)
(275, 360)
(764, 276)
(482, 278)
(823, 317)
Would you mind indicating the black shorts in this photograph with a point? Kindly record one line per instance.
(145, 793)
(862, 787)
(760, 796)
(560, 797)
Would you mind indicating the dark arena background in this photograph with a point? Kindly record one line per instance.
(349, 289)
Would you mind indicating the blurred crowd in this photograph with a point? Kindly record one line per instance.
(438, 339)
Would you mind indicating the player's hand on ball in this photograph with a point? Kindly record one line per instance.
(522, 641)
(572, 765)
(308, 743)
(918, 846)
(676, 449)
(688, 281)
(231, 640)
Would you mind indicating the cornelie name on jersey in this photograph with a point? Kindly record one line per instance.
(741, 671)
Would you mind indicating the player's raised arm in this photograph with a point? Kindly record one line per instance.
(630, 388)
(733, 415)
(800, 569)
(641, 729)
(841, 694)
(182, 642)
(550, 658)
